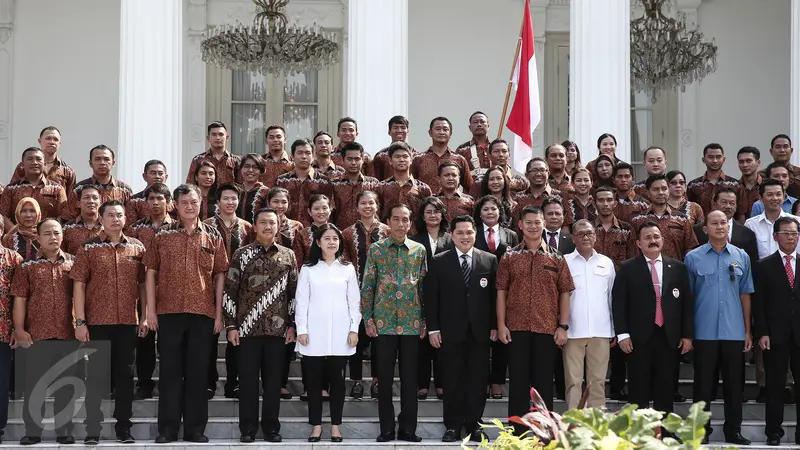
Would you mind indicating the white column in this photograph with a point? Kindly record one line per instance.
(151, 84)
(600, 69)
(377, 67)
(794, 116)
(687, 109)
(9, 157)
(194, 83)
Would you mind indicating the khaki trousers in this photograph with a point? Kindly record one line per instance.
(592, 355)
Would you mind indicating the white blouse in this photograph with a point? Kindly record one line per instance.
(328, 308)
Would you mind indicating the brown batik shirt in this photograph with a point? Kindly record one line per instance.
(516, 182)
(344, 193)
(300, 192)
(112, 274)
(629, 206)
(794, 181)
(477, 155)
(252, 201)
(241, 233)
(640, 189)
(425, 168)
(144, 229)
(692, 211)
(676, 231)
(701, 190)
(618, 242)
(302, 244)
(526, 198)
(138, 208)
(9, 262)
(115, 190)
(565, 185)
(747, 196)
(226, 167)
(76, 232)
(259, 291)
(357, 239)
(288, 231)
(332, 172)
(380, 163)
(411, 193)
(457, 204)
(275, 168)
(338, 159)
(533, 279)
(23, 243)
(60, 172)
(51, 196)
(47, 286)
(574, 210)
(188, 264)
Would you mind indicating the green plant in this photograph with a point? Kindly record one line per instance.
(596, 429)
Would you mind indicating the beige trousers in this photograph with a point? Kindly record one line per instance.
(594, 353)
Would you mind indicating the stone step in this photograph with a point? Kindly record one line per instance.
(234, 444)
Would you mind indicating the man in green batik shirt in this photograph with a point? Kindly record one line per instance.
(391, 303)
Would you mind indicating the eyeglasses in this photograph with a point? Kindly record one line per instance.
(791, 234)
(433, 212)
(584, 234)
(733, 274)
(537, 170)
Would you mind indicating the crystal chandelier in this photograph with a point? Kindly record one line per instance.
(665, 53)
(270, 44)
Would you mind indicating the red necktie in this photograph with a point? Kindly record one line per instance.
(490, 241)
(789, 270)
(657, 288)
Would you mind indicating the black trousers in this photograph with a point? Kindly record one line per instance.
(146, 361)
(322, 370)
(289, 356)
(499, 362)
(466, 369)
(531, 358)
(357, 358)
(558, 374)
(5, 378)
(651, 372)
(776, 360)
(123, 348)
(405, 350)
(711, 358)
(184, 344)
(264, 356)
(428, 356)
(619, 369)
(34, 362)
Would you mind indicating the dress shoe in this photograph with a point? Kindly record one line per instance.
(91, 440)
(678, 398)
(29, 440)
(373, 390)
(286, 395)
(440, 395)
(385, 437)
(198, 438)
(619, 396)
(774, 439)
(357, 391)
(247, 439)
(314, 438)
(705, 440)
(65, 440)
(737, 439)
(422, 395)
(478, 435)
(304, 397)
(336, 439)
(273, 437)
(762, 395)
(451, 435)
(165, 439)
(408, 437)
(125, 438)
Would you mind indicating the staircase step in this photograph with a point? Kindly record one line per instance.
(234, 444)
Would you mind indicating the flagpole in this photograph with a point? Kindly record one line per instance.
(511, 80)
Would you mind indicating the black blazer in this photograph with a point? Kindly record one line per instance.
(634, 301)
(453, 307)
(741, 237)
(565, 244)
(776, 306)
(443, 242)
(508, 239)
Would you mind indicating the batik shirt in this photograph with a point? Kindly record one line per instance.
(9, 260)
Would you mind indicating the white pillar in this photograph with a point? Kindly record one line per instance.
(194, 81)
(377, 67)
(9, 157)
(600, 72)
(151, 83)
(794, 98)
(687, 106)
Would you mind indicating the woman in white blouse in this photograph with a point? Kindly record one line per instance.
(328, 314)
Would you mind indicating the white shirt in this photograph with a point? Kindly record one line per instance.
(495, 232)
(432, 240)
(762, 227)
(460, 260)
(557, 237)
(660, 272)
(730, 229)
(590, 314)
(328, 308)
(792, 261)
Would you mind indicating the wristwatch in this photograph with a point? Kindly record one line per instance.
(80, 323)
(563, 326)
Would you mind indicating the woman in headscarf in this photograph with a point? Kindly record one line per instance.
(23, 238)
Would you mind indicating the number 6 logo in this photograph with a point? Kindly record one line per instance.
(52, 381)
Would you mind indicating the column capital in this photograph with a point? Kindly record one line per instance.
(688, 5)
(6, 20)
(196, 16)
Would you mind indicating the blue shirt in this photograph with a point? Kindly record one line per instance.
(717, 306)
(758, 207)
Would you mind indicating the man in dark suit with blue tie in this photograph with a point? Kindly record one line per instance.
(460, 299)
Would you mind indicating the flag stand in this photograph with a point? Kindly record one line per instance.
(510, 83)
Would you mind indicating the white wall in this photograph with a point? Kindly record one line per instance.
(746, 101)
(66, 73)
(459, 59)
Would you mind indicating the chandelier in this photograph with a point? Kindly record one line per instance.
(271, 44)
(665, 53)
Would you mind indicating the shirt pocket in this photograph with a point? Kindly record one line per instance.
(206, 258)
(707, 270)
(602, 271)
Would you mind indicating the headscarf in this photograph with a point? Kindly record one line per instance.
(27, 233)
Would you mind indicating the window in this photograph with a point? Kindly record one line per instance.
(641, 131)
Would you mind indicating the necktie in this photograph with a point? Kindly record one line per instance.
(552, 241)
(789, 270)
(657, 288)
(465, 270)
(490, 241)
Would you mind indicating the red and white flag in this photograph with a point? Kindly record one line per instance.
(526, 112)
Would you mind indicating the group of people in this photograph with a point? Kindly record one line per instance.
(444, 261)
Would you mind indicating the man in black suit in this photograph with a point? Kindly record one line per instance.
(775, 309)
(653, 314)
(460, 311)
(725, 200)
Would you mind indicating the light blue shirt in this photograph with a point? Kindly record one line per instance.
(758, 207)
(717, 306)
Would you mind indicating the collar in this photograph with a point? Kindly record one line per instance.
(542, 247)
(575, 254)
(284, 158)
(179, 226)
(61, 256)
(659, 259)
(460, 253)
(784, 255)
(549, 233)
(167, 220)
(442, 194)
(104, 237)
(257, 186)
(759, 179)
(763, 216)
(393, 243)
(210, 154)
(411, 180)
(375, 224)
(446, 151)
(331, 167)
(566, 179)
(722, 176)
(269, 248)
(614, 222)
(669, 211)
(631, 195)
(495, 227)
(94, 181)
(711, 248)
(547, 189)
(42, 181)
(79, 221)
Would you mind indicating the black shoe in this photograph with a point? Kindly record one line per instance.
(314, 438)
(247, 439)
(65, 440)
(165, 439)
(29, 440)
(678, 398)
(273, 437)
(336, 439)
(422, 395)
(93, 440)
(408, 437)
(125, 438)
(705, 440)
(142, 393)
(198, 438)
(286, 395)
(373, 390)
(478, 435)
(232, 392)
(304, 397)
(385, 437)
(762, 395)
(440, 395)
(774, 439)
(451, 435)
(737, 439)
(210, 393)
(619, 396)
(357, 391)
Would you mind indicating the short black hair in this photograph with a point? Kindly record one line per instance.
(552, 201)
(274, 127)
(547, 149)
(398, 120)
(317, 197)
(216, 124)
(42, 222)
(102, 147)
(462, 218)
(779, 136)
(776, 165)
(109, 204)
(301, 142)
(653, 147)
(533, 160)
(725, 191)
(344, 120)
(749, 149)
(776, 227)
(257, 159)
(653, 178)
(606, 189)
(321, 133)
(442, 166)
(49, 128)
(488, 199)
(648, 224)
(229, 187)
(158, 188)
(497, 141)
(713, 146)
(352, 147)
(477, 113)
(674, 173)
(622, 166)
(401, 205)
(30, 149)
(770, 182)
(154, 162)
(185, 189)
(277, 191)
(441, 119)
(264, 211)
(530, 209)
(398, 146)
